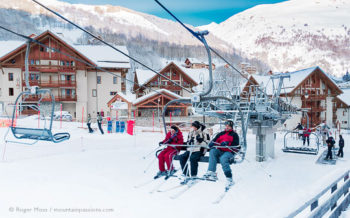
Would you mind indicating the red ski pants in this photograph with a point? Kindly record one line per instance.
(166, 156)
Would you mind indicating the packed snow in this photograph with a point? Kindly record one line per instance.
(94, 171)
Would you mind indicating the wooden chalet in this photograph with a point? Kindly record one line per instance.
(310, 89)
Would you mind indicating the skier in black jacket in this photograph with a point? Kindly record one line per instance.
(330, 144)
(341, 146)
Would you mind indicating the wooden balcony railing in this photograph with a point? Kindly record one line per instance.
(52, 84)
(48, 99)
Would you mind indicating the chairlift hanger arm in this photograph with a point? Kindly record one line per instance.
(109, 45)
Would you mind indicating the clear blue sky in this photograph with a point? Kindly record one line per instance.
(195, 12)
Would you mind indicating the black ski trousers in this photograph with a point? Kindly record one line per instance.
(194, 159)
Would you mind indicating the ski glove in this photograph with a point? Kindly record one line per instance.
(199, 139)
(211, 144)
(224, 143)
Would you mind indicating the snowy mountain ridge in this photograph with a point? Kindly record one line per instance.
(115, 19)
(292, 35)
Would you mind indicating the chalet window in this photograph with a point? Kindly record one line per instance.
(164, 83)
(98, 79)
(115, 80)
(37, 62)
(177, 92)
(11, 92)
(10, 76)
(67, 63)
(32, 62)
(63, 63)
(113, 93)
(94, 93)
(72, 63)
(174, 73)
(41, 48)
(13, 61)
(34, 76)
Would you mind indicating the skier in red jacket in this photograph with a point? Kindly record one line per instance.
(228, 145)
(173, 137)
(306, 136)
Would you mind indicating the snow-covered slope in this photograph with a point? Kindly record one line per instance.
(114, 19)
(292, 35)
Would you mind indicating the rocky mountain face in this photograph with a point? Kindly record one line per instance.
(292, 35)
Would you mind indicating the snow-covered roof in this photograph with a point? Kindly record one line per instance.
(198, 75)
(345, 97)
(128, 96)
(154, 93)
(105, 56)
(289, 84)
(101, 55)
(144, 76)
(194, 60)
(8, 46)
(296, 78)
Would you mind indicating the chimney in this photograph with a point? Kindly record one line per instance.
(32, 35)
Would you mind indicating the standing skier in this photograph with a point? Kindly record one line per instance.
(300, 130)
(341, 146)
(173, 137)
(99, 122)
(306, 136)
(228, 145)
(324, 128)
(330, 144)
(197, 137)
(89, 123)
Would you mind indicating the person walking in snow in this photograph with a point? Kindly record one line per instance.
(324, 128)
(172, 138)
(330, 144)
(99, 122)
(306, 136)
(196, 138)
(89, 123)
(227, 143)
(341, 146)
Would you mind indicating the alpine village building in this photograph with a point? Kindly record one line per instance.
(79, 87)
(313, 90)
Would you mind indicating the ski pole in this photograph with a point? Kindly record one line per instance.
(150, 164)
(154, 150)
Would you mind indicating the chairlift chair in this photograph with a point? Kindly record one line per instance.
(36, 134)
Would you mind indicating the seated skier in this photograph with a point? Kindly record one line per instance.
(173, 137)
(227, 143)
(197, 137)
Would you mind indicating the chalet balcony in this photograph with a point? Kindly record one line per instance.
(315, 98)
(48, 99)
(52, 84)
(316, 109)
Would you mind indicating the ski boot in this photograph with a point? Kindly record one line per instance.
(170, 173)
(229, 184)
(210, 176)
(160, 174)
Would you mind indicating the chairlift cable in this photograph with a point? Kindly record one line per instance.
(109, 45)
(76, 59)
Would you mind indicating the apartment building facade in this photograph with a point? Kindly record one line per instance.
(70, 74)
